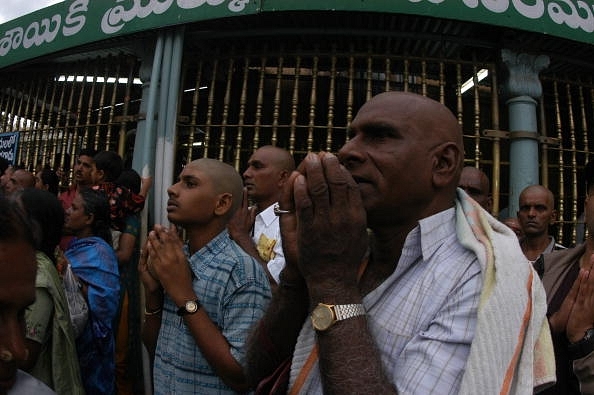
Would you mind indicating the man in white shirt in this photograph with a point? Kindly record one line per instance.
(256, 228)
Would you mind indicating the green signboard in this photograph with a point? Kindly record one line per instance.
(571, 19)
(76, 22)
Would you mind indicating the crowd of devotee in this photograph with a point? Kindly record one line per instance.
(345, 273)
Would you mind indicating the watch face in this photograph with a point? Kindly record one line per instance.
(322, 317)
(191, 307)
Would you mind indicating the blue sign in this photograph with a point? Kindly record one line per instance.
(9, 143)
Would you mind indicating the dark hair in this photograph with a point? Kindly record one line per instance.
(130, 179)
(14, 224)
(51, 179)
(47, 216)
(95, 202)
(4, 163)
(111, 163)
(87, 152)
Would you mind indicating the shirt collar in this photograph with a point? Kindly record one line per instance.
(215, 245)
(551, 245)
(268, 215)
(432, 230)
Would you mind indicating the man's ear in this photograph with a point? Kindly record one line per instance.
(224, 204)
(98, 174)
(553, 217)
(283, 177)
(446, 162)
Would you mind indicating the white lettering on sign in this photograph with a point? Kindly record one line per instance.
(573, 14)
(47, 30)
(576, 14)
(75, 20)
(7, 143)
(115, 18)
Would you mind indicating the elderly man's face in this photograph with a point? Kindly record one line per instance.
(19, 180)
(388, 155)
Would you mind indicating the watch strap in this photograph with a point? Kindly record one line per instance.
(583, 347)
(344, 311)
(326, 315)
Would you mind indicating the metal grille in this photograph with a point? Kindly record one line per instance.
(60, 110)
(301, 97)
(567, 116)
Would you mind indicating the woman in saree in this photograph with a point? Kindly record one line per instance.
(94, 262)
(50, 337)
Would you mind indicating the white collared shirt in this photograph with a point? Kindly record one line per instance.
(267, 237)
(423, 317)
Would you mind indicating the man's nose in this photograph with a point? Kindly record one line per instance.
(350, 154)
(171, 190)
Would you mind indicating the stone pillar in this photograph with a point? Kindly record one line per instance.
(523, 88)
(144, 146)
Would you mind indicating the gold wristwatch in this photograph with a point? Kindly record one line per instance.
(325, 315)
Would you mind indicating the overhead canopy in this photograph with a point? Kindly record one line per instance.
(77, 22)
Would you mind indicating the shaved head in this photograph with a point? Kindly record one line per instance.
(267, 170)
(541, 191)
(441, 126)
(224, 177)
(279, 157)
(406, 153)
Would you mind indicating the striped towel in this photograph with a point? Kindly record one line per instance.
(512, 351)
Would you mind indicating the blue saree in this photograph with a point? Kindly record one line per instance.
(95, 263)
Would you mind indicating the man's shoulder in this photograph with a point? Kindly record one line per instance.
(554, 262)
(558, 247)
(562, 252)
(227, 253)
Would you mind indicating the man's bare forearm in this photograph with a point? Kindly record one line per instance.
(274, 337)
(152, 320)
(350, 361)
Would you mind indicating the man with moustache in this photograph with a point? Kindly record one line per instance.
(535, 215)
(433, 302)
(83, 176)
